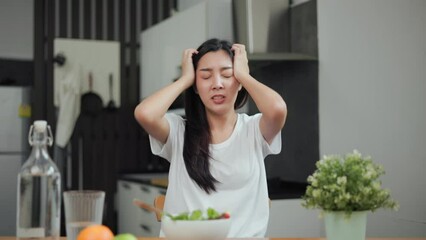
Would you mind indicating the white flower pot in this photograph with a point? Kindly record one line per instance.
(338, 226)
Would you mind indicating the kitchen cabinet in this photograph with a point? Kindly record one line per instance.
(132, 219)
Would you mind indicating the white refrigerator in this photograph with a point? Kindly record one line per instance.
(14, 149)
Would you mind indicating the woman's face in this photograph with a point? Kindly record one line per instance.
(215, 82)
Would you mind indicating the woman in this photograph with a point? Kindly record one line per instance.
(216, 155)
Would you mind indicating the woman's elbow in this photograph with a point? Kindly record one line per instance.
(141, 114)
(280, 112)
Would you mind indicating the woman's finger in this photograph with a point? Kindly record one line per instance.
(237, 46)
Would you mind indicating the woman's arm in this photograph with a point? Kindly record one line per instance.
(269, 102)
(150, 113)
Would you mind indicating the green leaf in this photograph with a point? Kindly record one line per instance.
(182, 216)
(196, 215)
(212, 214)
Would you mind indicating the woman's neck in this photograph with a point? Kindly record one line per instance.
(221, 127)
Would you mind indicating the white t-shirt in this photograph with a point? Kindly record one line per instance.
(238, 165)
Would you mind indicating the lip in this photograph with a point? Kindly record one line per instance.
(218, 98)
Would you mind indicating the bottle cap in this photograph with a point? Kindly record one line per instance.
(40, 126)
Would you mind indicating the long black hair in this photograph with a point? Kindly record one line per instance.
(197, 130)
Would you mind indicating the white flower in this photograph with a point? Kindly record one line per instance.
(368, 174)
(348, 196)
(356, 153)
(366, 190)
(376, 185)
(316, 193)
(341, 180)
(313, 181)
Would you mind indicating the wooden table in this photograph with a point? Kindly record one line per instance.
(154, 238)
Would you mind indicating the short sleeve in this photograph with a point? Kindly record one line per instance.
(165, 150)
(275, 146)
(267, 149)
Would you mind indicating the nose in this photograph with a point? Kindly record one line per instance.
(217, 82)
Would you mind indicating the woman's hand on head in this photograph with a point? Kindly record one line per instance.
(188, 72)
(241, 67)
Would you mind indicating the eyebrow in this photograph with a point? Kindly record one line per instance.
(209, 69)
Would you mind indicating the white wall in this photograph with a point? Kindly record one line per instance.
(372, 58)
(16, 27)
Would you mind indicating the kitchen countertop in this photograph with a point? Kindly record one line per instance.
(277, 188)
(155, 179)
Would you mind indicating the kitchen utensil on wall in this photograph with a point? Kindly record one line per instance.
(91, 103)
(97, 56)
(111, 104)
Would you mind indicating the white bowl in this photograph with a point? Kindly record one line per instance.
(196, 229)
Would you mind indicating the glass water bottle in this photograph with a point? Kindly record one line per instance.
(39, 193)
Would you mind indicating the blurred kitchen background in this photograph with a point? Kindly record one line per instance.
(351, 71)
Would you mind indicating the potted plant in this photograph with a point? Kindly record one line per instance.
(345, 188)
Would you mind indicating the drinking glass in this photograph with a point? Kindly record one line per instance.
(82, 209)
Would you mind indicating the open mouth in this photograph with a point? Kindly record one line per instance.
(218, 99)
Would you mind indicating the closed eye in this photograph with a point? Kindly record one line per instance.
(227, 72)
(205, 73)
